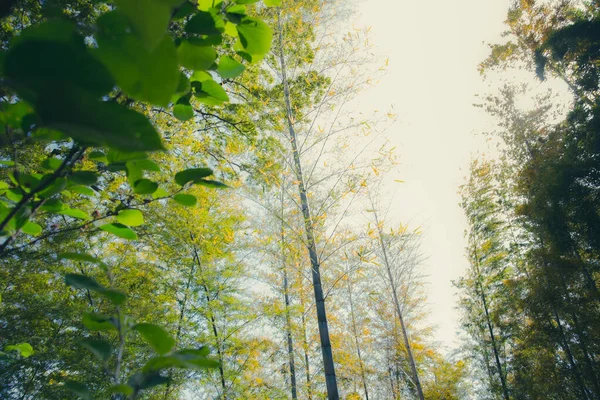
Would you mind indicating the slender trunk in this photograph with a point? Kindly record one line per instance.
(305, 348)
(290, 342)
(288, 321)
(391, 376)
(355, 333)
(329, 367)
(565, 343)
(488, 321)
(215, 331)
(388, 267)
(567, 349)
(181, 316)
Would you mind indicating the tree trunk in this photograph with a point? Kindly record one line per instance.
(355, 333)
(182, 313)
(286, 295)
(411, 360)
(330, 378)
(305, 348)
(215, 331)
(491, 330)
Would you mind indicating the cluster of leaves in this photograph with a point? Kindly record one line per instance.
(83, 92)
(531, 297)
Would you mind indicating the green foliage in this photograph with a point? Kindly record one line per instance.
(80, 74)
(536, 215)
(24, 349)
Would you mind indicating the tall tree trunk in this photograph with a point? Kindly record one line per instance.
(567, 349)
(305, 349)
(288, 321)
(329, 367)
(182, 313)
(215, 331)
(488, 321)
(290, 342)
(388, 267)
(355, 333)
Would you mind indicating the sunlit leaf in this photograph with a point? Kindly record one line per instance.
(156, 337)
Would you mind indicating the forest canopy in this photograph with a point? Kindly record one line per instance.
(191, 208)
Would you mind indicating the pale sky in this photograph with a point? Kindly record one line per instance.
(434, 48)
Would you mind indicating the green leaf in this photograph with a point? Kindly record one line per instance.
(206, 5)
(272, 3)
(183, 112)
(230, 68)
(187, 358)
(98, 156)
(78, 281)
(255, 37)
(212, 184)
(97, 322)
(121, 388)
(120, 230)
(206, 90)
(27, 181)
(58, 186)
(52, 55)
(52, 206)
(160, 193)
(144, 380)
(147, 75)
(185, 199)
(14, 194)
(210, 92)
(24, 349)
(192, 175)
(185, 10)
(184, 84)
(149, 19)
(156, 337)
(31, 228)
(94, 122)
(86, 178)
(246, 1)
(145, 186)
(52, 163)
(147, 165)
(100, 348)
(115, 296)
(79, 257)
(84, 190)
(130, 217)
(72, 212)
(196, 57)
(134, 172)
(79, 389)
(116, 156)
(205, 23)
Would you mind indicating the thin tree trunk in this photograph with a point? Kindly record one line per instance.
(215, 331)
(305, 348)
(181, 315)
(411, 360)
(354, 331)
(491, 329)
(290, 342)
(328, 364)
(567, 348)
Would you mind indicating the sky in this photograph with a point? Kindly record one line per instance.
(434, 48)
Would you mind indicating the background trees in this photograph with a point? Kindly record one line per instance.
(535, 210)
